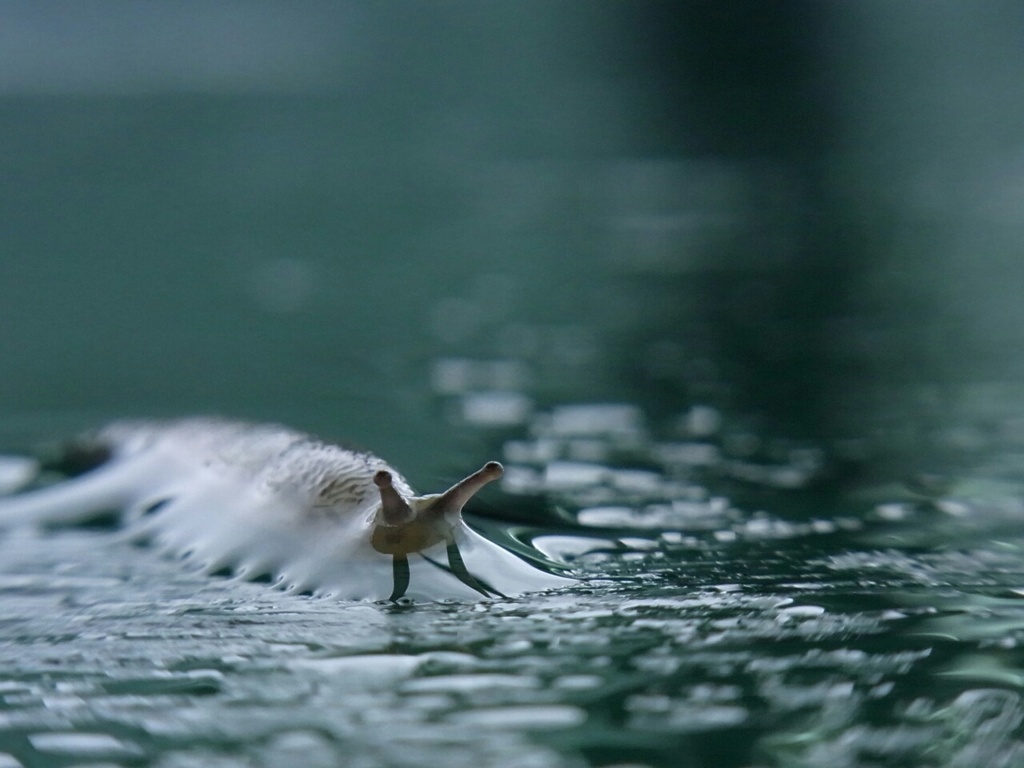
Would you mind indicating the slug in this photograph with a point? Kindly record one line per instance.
(267, 501)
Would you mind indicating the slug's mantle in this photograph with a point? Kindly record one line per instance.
(269, 501)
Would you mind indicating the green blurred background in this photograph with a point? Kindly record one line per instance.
(807, 214)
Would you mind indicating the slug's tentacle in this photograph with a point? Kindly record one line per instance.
(455, 498)
(461, 572)
(393, 508)
(400, 573)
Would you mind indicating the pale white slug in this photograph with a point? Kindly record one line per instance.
(269, 501)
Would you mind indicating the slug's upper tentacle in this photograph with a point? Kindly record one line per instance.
(393, 508)
(455, 498)
(400, 575)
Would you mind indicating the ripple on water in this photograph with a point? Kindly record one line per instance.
(564, 549)
(365, 672)
(686, 716)
(470, 684)
(304, 748)
(83, 744)
(526, 717)
(612, 420)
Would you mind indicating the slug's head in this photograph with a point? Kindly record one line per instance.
(407, 525)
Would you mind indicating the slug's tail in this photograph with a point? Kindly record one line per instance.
(102, 490)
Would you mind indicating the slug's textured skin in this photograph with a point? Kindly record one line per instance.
(269, 501)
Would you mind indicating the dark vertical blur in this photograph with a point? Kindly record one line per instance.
(749, 87)
(846, 178)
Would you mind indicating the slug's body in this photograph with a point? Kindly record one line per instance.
(268, 501)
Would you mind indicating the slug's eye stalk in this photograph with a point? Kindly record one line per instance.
(393, 508)
(455, 498)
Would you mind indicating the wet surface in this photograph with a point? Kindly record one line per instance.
(883, 629)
